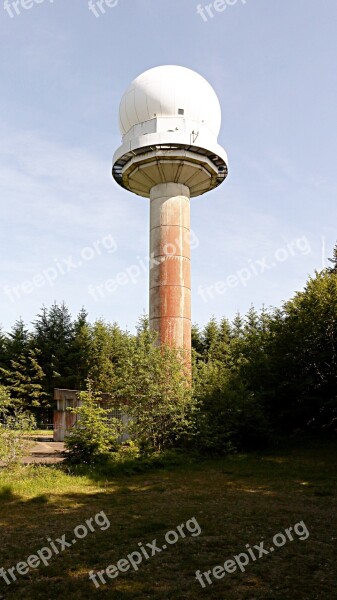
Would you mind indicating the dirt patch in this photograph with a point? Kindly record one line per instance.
(45, 451)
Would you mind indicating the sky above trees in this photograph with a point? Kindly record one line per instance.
(66, 227)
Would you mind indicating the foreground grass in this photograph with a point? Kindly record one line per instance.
(237, 500)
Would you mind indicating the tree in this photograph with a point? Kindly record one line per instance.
(53, 335)
(153, 389)
(16, 426)
(79, 352)
(24, 380)
(17, 342)
(197, 341)
(96, 433)
(106, 343)
(3, 348)
(333, 260)
(304, 356)
(210, 335)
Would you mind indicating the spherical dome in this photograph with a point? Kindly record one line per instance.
(170, 91)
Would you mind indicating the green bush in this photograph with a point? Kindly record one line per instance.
(229, 417)
(95, 436)
(16, 427)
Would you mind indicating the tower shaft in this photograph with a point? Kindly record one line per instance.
(170, 267)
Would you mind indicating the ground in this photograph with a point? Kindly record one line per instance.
(236, 501)
(45, 450)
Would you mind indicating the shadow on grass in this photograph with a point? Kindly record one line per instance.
(7, 495)
(236, 500)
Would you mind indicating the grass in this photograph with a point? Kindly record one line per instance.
(237, 500)
(44, 432)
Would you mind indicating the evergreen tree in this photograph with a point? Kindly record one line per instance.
(222, 350)
(105, 349)
(3, 349)
(53, 335)
(304, 356)
(237, 327)
(24, 381)
(210, 336)
(17, 342)
(79, 354)
(333, 260)
(197, 341)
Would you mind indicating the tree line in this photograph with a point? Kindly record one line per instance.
(268, 373)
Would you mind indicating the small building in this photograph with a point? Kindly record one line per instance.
(65, 420)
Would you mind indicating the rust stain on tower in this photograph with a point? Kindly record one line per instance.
(170, 118)
(170, 273)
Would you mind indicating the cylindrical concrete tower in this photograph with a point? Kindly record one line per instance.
(170, 118)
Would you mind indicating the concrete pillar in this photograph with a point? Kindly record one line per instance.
(170, 267)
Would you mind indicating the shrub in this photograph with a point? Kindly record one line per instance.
(15, 428)
(96, 434)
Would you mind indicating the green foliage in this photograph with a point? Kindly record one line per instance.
(229, 415)
(303, 357)
(79, 351)
(53, 334)
(333, 260)
(96, 433)
(17, 342)
(266, 373)
(25, 380)
(152, 387)
(16, 425)
(105, 347)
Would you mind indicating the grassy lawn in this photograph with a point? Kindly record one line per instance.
(237, 500)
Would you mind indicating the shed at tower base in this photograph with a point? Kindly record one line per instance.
(170, 118)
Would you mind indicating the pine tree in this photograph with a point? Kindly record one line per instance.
(333, 260)
(237, 327)
(105, 348)
(210, 336)
(3, 349)
(197, 342)
(79, 354)
(24, 380)
(17, 342)
(53, 335)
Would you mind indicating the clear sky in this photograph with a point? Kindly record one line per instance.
(67, 228)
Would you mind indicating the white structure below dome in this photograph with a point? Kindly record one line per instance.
(170, 117)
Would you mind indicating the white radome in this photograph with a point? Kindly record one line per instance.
(170, 91)
(170, 118)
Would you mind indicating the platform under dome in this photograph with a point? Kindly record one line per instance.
(170, 118)
(169, 91)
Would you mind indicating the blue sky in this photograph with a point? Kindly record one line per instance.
(66, 227)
